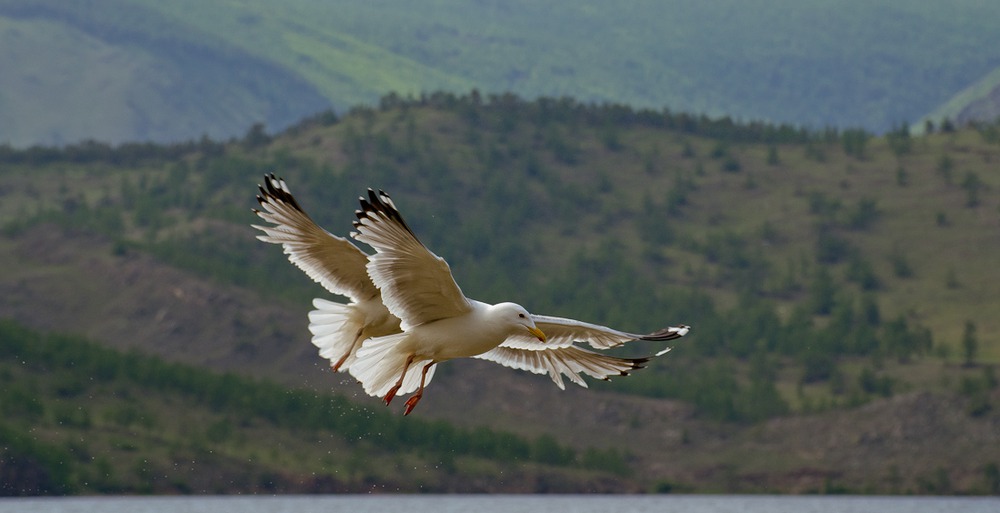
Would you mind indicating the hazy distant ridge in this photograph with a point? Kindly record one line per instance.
(117, 70)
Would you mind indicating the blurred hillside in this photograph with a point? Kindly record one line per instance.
(828, 276)
(136, 70)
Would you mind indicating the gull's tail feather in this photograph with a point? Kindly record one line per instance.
(337, 332)
(379, 362)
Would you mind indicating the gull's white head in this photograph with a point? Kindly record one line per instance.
(515, 315)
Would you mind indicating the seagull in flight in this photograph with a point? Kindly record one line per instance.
(406, 313)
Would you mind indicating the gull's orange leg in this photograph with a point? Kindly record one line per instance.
(395, 388)
(336, 367)
(415, 398)
(357, 337)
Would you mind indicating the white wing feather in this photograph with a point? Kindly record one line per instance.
(332, 261)
(417, 286)
(562, 332)
(568, 361)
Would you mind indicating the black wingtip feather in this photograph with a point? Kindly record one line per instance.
(268, 192)
(384, 207)
(637, 363)
(665, 334)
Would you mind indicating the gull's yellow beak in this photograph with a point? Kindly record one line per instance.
(537, 333)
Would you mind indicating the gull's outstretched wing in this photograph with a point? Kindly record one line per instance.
(416, 285)
(562, 332)
(332, 261)
(569, 361)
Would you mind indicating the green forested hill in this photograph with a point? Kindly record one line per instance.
(80, 418)
(125, 70)
(832, 278)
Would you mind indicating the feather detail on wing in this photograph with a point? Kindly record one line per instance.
(417, 286)
(562, 332)
(568, 361)
(332, 261)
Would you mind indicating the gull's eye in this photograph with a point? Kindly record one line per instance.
(521, 315)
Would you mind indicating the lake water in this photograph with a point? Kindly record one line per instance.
(503, 503)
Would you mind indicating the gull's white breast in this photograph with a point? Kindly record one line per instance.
(463, 336)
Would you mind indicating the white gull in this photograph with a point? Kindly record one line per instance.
(406, 313)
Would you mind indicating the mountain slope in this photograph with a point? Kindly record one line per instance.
(868, 450)
(120, 70)
(980, 102)
(831, 278)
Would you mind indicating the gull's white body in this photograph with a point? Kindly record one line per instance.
(449, 338)
(380, 359)
(407, 313)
